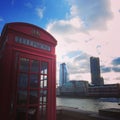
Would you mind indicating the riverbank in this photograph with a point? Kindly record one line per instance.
(86, 104)
(70, 113)
(87, 97)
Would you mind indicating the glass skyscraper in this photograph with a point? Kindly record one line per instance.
(64, 76)
(95, 71)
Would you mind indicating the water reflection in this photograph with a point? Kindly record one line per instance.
(86, 104)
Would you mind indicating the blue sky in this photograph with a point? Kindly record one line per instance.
(38, 12)
(83, 28)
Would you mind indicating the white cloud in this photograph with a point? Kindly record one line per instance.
(72, 35)
(94, 13)
(40, 12)
(68, 26)
(74, 10)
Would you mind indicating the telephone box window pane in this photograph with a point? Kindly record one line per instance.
(24, 64)
(33, 97)
(41, 84)
(20, 40)
(34, 80)
(23, 80)
(22, 97)
(17, 39)
(45, 77)
(40, 100)
(21, 114)
(35, 66)
(43, 112)
(42, 77)
(44, 68)
(44, 100)
(24, 41)
(32, 111)
(43, 93)
(43, 97)
(45, 83)
(44, 108)
(31, 43)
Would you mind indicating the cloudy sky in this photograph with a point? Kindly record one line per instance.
(83, 28)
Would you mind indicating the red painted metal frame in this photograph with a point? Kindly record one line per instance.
(9, 49)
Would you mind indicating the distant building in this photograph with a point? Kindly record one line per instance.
(64, 76)
(95, 71)
(74, 88)
(82, 88)
(108, 90)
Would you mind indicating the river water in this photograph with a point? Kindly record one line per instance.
(87, 104)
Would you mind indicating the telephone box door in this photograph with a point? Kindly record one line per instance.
(32, 79)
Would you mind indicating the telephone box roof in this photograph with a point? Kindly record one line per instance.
(30, 29)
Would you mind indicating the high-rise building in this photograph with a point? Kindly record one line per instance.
(95, 71)
(64, 76)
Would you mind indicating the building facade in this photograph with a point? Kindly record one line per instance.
(96, 78)
(108, 90)
(27, 73)
(75, 88)
(63, 74)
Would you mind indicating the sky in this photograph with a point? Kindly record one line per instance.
(82, 28)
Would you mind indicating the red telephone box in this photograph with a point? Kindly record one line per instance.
(27, 73)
